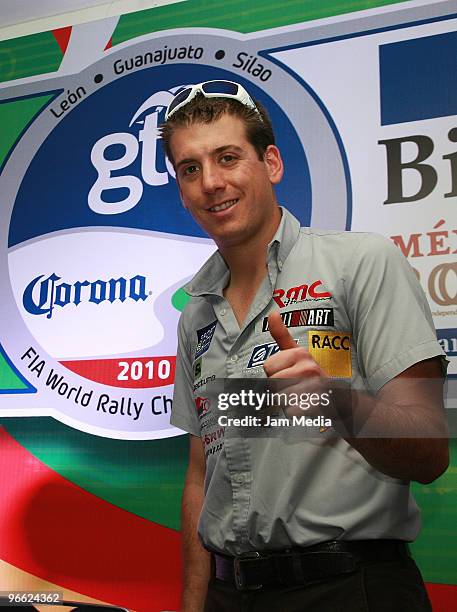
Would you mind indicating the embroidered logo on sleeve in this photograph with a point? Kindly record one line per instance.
(332, 351)
(197, 368)
(317, 317)
(204, 381)
(204, 337)
(203, 405)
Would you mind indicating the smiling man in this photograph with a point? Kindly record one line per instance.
(270, 523)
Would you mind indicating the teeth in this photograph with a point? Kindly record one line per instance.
(223, 206)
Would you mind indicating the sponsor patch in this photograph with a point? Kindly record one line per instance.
(261, 352)
(213, 442)
(300, 293)
(204, 337)
(317, 317)
(198, 368)
(202, 404)
(332, 351)
(204, 381)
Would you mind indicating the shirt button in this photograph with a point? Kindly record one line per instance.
(223, 311)
(234, 357)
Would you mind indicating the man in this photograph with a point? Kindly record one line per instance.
(322, 523)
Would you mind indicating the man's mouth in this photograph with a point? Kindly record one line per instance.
(223, 206)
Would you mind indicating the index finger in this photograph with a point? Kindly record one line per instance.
(280, 332)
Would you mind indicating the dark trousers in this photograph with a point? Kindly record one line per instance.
(393, 586)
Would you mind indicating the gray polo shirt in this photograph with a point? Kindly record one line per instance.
(353, 300)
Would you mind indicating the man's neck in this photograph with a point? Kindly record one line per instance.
(247, 265)
(247, 262)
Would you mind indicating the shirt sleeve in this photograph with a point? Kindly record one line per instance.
(392, 323)
(184, 413)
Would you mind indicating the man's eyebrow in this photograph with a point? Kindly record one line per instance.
(216, 151)
(187, 160)
(229, 146)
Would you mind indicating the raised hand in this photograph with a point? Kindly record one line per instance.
(291, 361)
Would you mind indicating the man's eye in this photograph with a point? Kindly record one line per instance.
(227, 158)
(188, 170)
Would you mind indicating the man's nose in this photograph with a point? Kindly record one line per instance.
(212, 178)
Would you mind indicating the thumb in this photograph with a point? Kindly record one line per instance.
(280, 332)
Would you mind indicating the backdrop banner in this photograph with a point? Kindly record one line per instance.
(95, 245)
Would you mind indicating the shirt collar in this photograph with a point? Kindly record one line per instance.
(213, 276)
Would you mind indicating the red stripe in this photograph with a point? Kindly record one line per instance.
(127, 372)
(62, 36)
(442, 596)
(295, 318)
(55, 530)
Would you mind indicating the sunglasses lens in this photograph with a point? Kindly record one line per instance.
(179, 98)
(220, 87)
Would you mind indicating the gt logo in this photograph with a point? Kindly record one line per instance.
(261, 352)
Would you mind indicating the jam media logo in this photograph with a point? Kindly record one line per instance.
(41, 296)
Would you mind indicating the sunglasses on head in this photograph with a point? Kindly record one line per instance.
(211, 89)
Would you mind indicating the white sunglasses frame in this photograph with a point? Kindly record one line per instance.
(241, 96)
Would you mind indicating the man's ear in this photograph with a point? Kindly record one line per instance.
(274, 164)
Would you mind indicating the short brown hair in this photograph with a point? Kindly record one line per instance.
(200, 109)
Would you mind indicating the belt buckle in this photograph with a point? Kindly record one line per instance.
(240, 582)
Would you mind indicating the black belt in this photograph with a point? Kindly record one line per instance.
(253, 570)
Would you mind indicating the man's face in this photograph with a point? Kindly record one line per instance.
(222, 182)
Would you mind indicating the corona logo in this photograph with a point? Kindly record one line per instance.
(42, 297)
